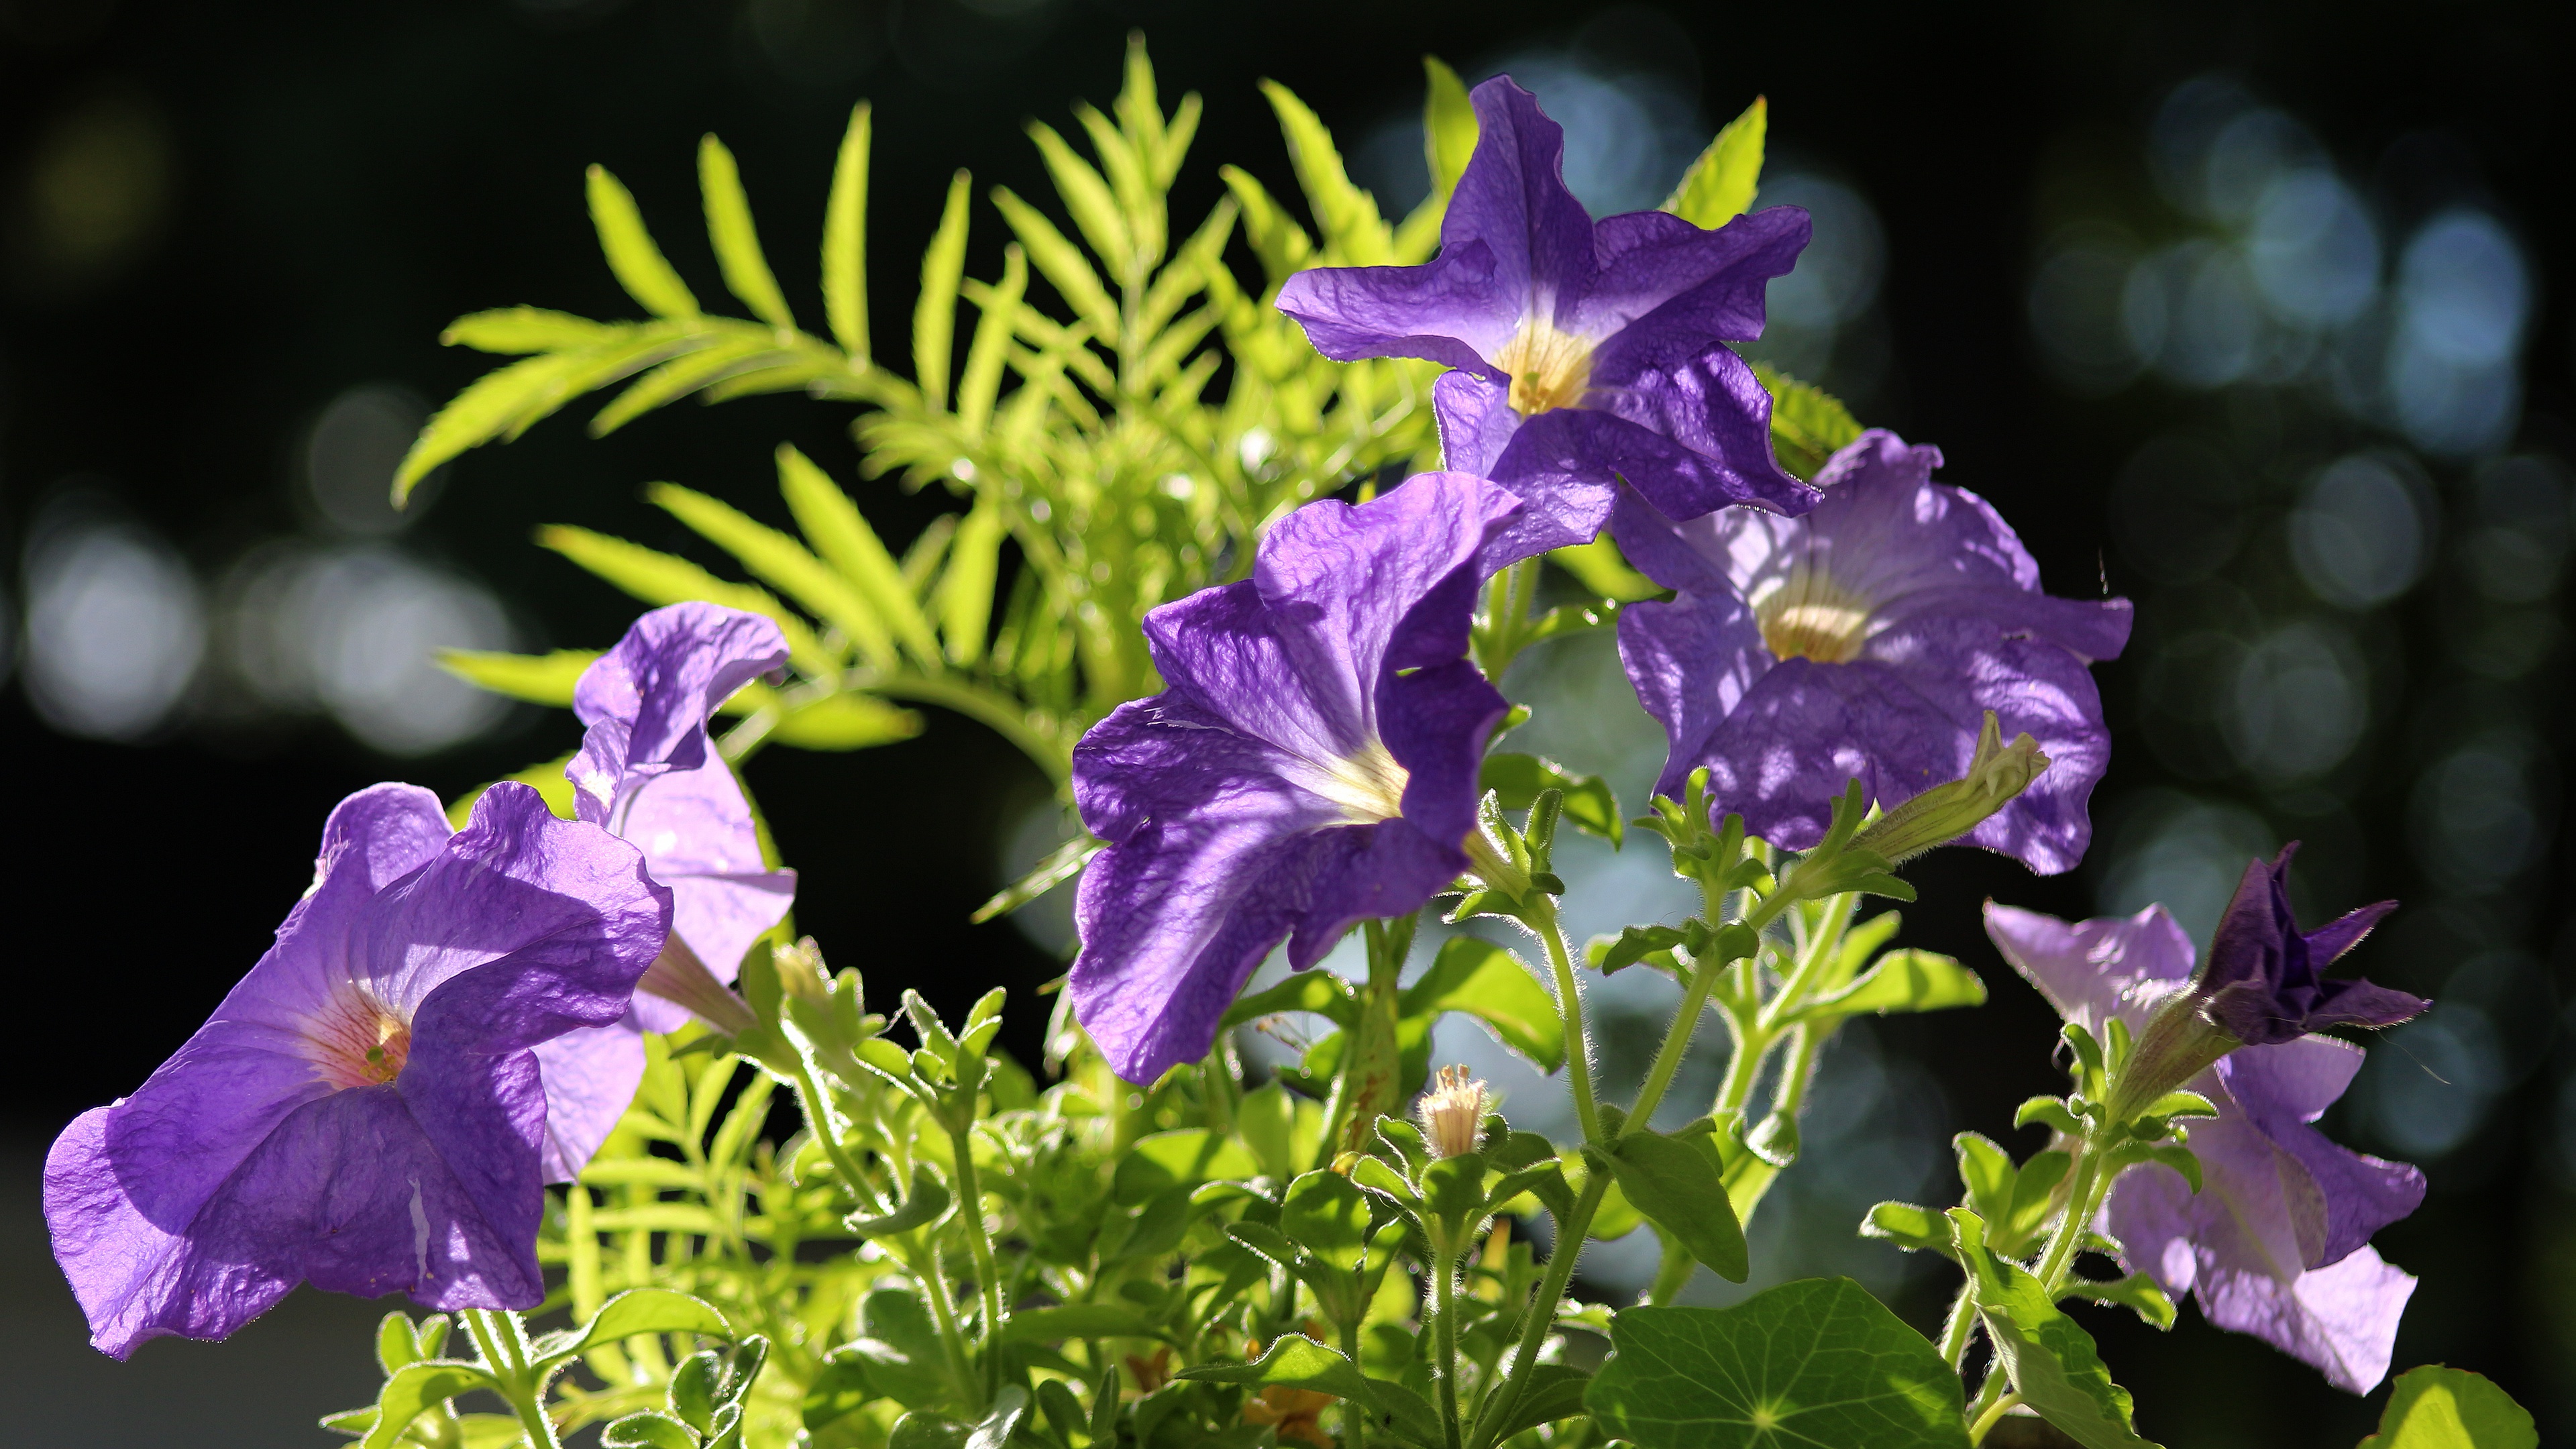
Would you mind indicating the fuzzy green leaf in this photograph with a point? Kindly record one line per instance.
(2052, 1360)
(2138, 1293)
(1901, 980)
(1813, 1363)
(414, 1390)
(637, 1310)
(1676, 1183)
(1590, 805)
(1497, 988)
(2438, 1407)
(1184, 1158)
(1721, 183)
(1298, 1362)
(638, 263)
(1320, 992)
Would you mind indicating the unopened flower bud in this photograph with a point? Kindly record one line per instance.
(801, 972)
(1452, 1113)
(677, 975)
(1996, 774)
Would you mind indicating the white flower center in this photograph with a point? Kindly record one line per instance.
(1808, 615)
(1550, 369)
(1368, 786)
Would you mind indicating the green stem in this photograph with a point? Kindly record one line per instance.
(1444, 1295)
(1505, 1394)
(1960, 1327)
(943, 1315)
(1677, 1038)
(1994, 1413)
(810, 1100)
(498, 1336)
(2081, 1202)
(1569, 1006)
(979, 1243)
(1354, 1416)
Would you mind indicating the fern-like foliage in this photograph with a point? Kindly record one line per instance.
(1125, 443)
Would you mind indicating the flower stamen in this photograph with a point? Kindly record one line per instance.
(1550, 369)
(1810, 616)
(355, 1041)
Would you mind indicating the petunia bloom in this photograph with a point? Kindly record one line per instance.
(647, 773)
(1312, 761)
(1585, 351)
(1867, 641)
(363, 1112)
(2263, 986)
(2277, 1242)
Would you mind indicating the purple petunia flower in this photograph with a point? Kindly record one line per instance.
(648, 774)
(1585, 350)
(363, 1112)
(1866, 641)
(2262, 984)
(2277, 1242)
(1311, 761)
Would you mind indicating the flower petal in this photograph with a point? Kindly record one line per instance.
(2284, 1088)
(1693, 435)
(2094, 970)
(1666, 288)
(647, 700)
(590, 1078)
(2340, 1320)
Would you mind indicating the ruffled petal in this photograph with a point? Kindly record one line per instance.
(2341, 1320)
(1666, 289)
(647, 700)
(2282, 1089)
(2092, 971)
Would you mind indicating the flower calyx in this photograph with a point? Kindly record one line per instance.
(1509, 869)
(1997, 774)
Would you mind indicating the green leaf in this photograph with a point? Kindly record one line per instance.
(1603, 570)
(1075, 1320)
(527, 329)
(1320, 992)
(1555, 1392)
(651, 1429)
(2137, 1293)
(779, 559)
(2438, 1407)
(659, 578)
(1448, 125)
(1720, 184)
(1184, 1158)
(1814, 1363)
(928, 1429)
(631, 253)
(1901, 980)
(1087, 197)
(934, 313)
(926, 1203)
(842, 534)
(1589, 802)
(1061, 864)
(1915, 1229)
(1298, 1362)
(1347, 217)
(845, 721)
(1676, 1183)
(737, 241)
(2052, 1360)
(845, 240)
(1060, 262)
(414, 1390)
(997, 307)
(637, 1310)
(536, 678)
(1808, 424)
(1324, 1213)
(1497, 988)
(1986, 1171)
(507, 401)
(964, 599)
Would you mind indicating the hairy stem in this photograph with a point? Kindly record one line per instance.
(1505, 1393)
(1994, 1413)
(2081, 1202)
(979, 1243)
(1960, 1327)
(1569, 1005)
(502, 1342)
(1444, 1294)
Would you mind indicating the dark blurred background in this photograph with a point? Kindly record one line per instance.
(2245, 312)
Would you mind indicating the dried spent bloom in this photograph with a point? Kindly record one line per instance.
(2263, 986)
(1452, 1114)
(1868, 640)
(1312, 761)
(2277, 1242)
(648, 773)
(364, 1110)
(1587, 352)
(1297, 1414)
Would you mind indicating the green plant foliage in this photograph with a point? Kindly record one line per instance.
(1807, 423)
(1817, 1362)
(2051, 1359)
(1720, 184)
(2438, 1407)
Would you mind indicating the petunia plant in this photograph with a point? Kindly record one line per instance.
(1252, 522)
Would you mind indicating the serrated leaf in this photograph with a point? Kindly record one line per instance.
(2439, 1407)
(659, 578)
(637, 1310)
(736, 239)
(845, 239)
(1720, 184)
(1902, 980)
(1494, 986)
(638, 263)
(2054, 1365)
(1677, 1184)
(1808, 424)
(1812, 1363)
(1182, 1159)
(1590, 804)
(527, 329)
(414, 1390)
(934, 312)
(841, 533)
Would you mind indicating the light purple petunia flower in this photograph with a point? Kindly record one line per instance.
(2277, 1242)
(2263, 986)
(648, 773)
(1866, 641)
(363, 1112)
(1311, 761)
(1585, 351)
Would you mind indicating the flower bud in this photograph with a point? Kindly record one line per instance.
(801, 972)
(1997, 773)
(2179, 1043)
(1452, 1114)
